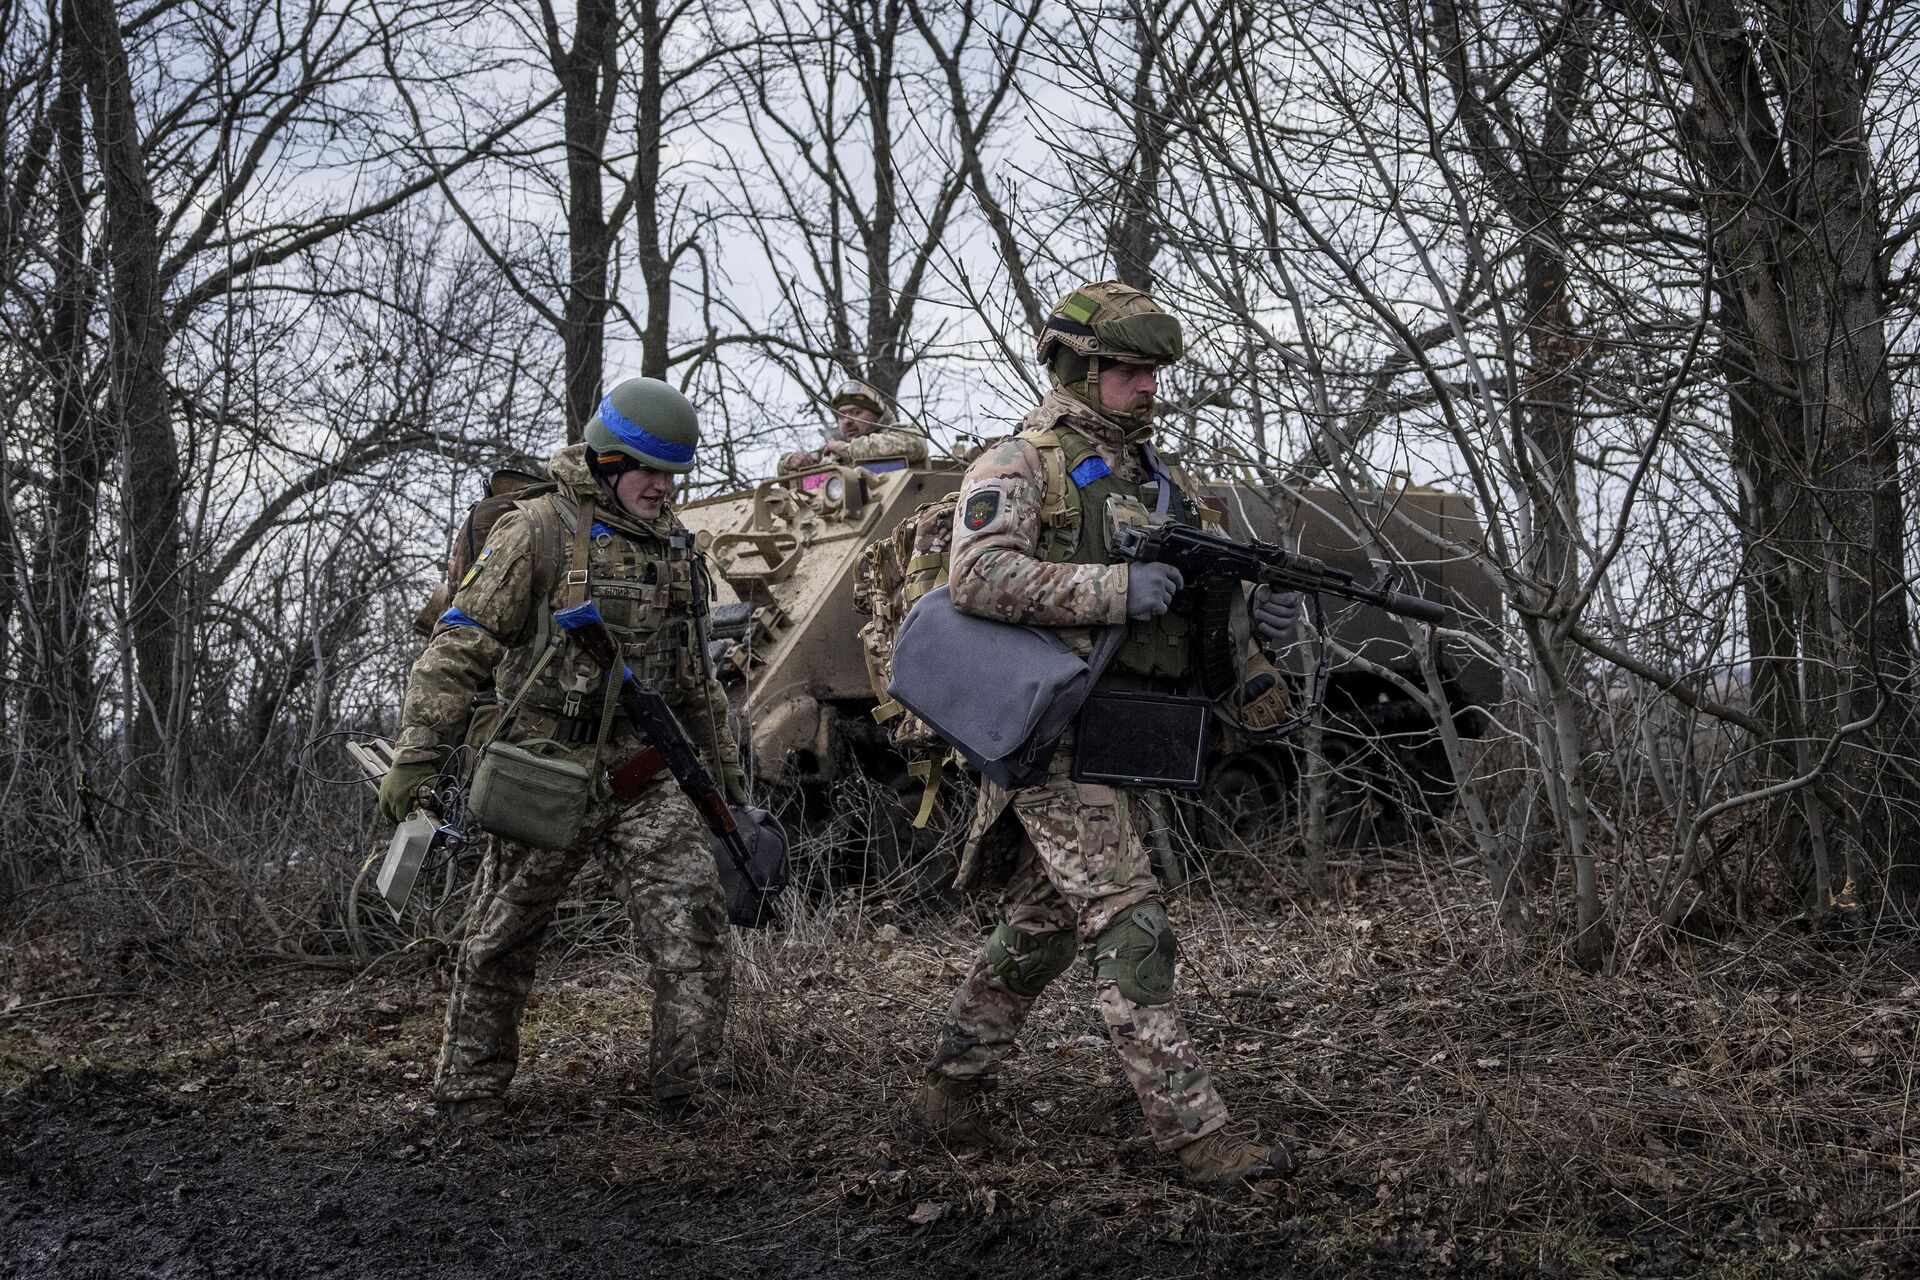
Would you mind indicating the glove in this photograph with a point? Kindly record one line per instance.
(1150, 589)
(397, 788)
(1276, 616)
(733, 780)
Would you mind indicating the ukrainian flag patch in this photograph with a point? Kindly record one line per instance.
(479, 563)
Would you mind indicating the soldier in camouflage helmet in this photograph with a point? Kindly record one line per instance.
(1032, 545)
(862, 433)
(608, 534)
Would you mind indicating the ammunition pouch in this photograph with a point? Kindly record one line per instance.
(1132, 738)
(531, 793)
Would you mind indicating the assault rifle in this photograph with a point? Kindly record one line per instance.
(428, 836)
(649, 713)
(1203, 556)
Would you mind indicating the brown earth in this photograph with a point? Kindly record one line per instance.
(1464, 1108)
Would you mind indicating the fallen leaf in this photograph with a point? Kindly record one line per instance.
(927, 1211)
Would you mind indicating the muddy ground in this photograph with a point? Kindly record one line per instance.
(127, 1188)
(1464, 1108)
(209, 1163)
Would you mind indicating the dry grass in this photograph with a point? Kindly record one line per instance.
(1736, 1109)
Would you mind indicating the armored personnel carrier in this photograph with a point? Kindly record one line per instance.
(784, 640)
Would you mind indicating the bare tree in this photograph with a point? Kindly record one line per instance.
(858, 182)
(276, 74)
(1771, 104)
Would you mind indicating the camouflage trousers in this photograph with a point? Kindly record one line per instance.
(1080, 864)
(656, 856)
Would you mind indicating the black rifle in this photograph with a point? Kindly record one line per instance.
(1201, 557)
(649, 712)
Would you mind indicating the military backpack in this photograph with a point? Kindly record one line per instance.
(891, 576)
(506, 486)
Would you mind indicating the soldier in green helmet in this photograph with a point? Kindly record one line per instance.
(605, 533)
(1032, 545)
(863, 433)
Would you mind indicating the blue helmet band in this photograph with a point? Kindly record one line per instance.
(633, 434)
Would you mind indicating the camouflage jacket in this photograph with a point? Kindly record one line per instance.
(898, 440)
(500, 627)
(998, 568)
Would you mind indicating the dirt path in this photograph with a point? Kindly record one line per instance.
(134, 1191)
(154, 1197)
(1463, 1116)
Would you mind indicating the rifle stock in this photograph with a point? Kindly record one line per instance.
(649, 713)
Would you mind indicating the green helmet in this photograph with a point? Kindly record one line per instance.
(1113, 321)
(646, 420)
(856, 394)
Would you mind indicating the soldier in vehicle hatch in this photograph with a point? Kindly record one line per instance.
(604, 532)
(862, 433)
(1032, 545)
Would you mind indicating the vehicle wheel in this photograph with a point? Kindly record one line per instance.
(894, 857)
(1427, 782)
(1384, 795)
(1244, 800)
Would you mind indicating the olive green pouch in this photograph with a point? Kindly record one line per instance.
(533, 792)
(530, 792)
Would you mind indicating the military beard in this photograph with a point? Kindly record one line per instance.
(1133, 425)
(1130, 427)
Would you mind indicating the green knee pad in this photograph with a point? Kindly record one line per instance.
(1027, 962)
(1137, 951)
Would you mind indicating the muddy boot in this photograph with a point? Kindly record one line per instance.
(952, 1114)
(1223, 1159)
(475, 1114)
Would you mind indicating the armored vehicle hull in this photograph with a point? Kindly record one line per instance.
(785, 641)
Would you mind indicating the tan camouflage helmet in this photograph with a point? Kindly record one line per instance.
(1111, 321)
(854, 393)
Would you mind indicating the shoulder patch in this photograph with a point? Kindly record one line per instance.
(980, 508)
(473, 571)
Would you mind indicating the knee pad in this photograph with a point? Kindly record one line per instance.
(1137, 952)
(1027, 962)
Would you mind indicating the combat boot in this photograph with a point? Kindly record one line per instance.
(1223, 1159)
(477, 1114)
(952, 1114)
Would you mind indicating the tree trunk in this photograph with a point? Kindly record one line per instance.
(61, 704)
(138, 406)
(656, 259)
(1133, 237)
(1528, 175)
(1796, 237)
(589, 76)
